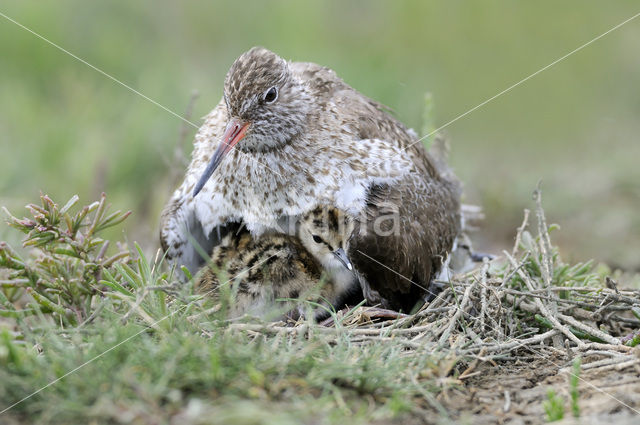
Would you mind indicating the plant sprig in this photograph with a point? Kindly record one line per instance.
(69, 260)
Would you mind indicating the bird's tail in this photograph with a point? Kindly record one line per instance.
(462, 257)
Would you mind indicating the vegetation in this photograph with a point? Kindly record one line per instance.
(69, 260)
(114, 337)
(94, 330)
(139, 346)
(554, 406)
(573, 387)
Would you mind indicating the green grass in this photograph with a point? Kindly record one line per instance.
(554, 406)
(573, 387)
(162, 373)
(117, 337)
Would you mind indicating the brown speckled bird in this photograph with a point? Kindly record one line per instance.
(278, 266)
(289, 136)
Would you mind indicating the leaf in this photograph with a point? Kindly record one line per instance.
(98, 215)
(70, 203)
(116, 287)
(49, 304)
(143, 265)
(130, 274)
(186, 272)
(113, 220)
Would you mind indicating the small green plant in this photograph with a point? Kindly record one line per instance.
(563, 274)
(145, 290)
(632, 340)
(67, 261)
(573, 387)
(554, 406)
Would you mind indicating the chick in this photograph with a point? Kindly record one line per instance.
(312, 266)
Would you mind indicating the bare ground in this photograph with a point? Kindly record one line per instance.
(515, 392)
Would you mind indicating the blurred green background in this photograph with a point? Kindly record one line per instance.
(66, 129)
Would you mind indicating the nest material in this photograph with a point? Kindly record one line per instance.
(525, 302)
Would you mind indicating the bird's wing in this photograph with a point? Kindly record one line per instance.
(409, 225)
(408, 232)
(180, 227)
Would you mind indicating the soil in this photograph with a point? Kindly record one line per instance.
(514, 392)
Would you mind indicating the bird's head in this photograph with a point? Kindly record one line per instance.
(267, 106)
(325, 233)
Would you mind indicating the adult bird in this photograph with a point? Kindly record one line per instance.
(289, 136)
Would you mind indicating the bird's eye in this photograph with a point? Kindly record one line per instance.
(271, 95)
(317, 239)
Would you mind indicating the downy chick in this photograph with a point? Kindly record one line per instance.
(312, 265)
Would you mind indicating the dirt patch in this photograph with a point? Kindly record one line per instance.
(515, 392)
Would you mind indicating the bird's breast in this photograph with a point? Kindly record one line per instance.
(261, 188)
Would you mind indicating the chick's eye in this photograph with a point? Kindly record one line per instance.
(317, 239)
(271, 95)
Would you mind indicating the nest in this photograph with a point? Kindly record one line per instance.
(526, 302)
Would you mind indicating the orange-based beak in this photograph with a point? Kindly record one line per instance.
(234, 132)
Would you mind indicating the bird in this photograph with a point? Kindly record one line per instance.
(312, 264)
(289, 136)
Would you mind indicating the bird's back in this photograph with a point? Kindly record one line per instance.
(397, 266)
(367, 118)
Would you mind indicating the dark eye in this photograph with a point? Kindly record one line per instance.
(271, 95)
(317, 239)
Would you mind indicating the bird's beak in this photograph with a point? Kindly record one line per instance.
(235, 131)
(342, 256)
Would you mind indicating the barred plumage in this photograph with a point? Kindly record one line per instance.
(311, 265)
